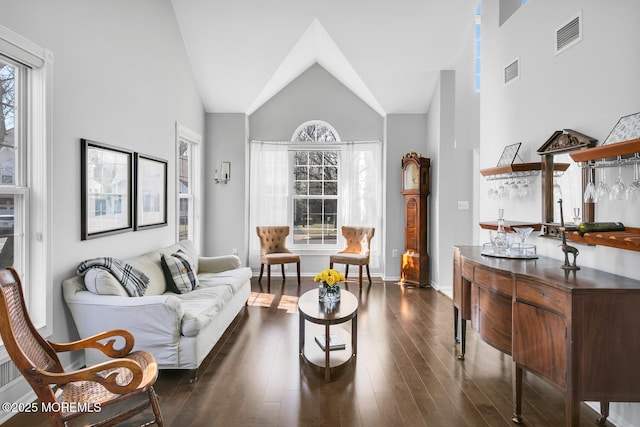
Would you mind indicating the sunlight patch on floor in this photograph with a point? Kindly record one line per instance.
(289, 303)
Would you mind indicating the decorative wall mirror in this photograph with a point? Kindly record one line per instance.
(570, 186)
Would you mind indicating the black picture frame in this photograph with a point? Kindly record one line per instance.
(150, 192)
(509, 154)
(106, 189)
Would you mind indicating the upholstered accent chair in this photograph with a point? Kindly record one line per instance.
(104, 394)
(273, 250)
(356, 251)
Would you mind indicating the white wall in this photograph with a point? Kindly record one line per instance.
(121, 77)
(587, 88)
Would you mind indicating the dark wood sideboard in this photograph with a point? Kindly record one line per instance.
(578, 330)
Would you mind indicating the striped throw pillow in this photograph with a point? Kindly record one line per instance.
(179, 272)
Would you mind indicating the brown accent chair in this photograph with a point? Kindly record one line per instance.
(104, 394)
(356, 252)
(273, 250)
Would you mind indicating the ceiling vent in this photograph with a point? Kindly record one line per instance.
(512, 71)
(569, 33)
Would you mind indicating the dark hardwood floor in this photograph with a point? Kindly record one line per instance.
(406, 372)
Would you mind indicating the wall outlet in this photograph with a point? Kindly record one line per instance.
(463, 205)
(394, 253)
(234, 251)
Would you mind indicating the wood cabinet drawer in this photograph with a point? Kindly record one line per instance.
(467, 269)
(501, 283)
(542, 295)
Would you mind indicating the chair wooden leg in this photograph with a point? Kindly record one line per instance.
(331, 265)
(360, 275)
(346, 271)
(282, 269)
(261, 270)
(268, 276)
(298, 268)
(368, 274)
(155, 407)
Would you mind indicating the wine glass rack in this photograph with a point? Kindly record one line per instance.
(626, 152)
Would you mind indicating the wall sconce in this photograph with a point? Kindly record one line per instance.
(225, 173)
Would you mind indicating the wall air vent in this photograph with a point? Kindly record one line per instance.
(512, 71)
(569, 33)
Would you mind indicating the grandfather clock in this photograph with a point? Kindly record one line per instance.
(415, 188)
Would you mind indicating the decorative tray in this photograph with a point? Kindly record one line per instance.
(516, 251)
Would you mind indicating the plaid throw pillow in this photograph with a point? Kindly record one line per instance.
(179, 272)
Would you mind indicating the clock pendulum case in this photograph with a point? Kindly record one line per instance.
(415, 188)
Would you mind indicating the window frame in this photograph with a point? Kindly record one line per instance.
(193, 139)
(32, 175)
(294, 197)
(314, 143)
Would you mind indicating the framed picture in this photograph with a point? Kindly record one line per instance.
(627, 128)
(151, 192)
(107, 189)
(509, 154)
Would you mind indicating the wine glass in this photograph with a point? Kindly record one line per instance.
(502, 191)
(633, 189)
(576, 215)
(493, 193)
(618, 189)
(602, 189)
(514, 190)
(525, 190)
(523, 233)
(590, 190)
(557, 190)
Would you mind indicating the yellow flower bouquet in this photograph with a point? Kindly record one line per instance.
(329, 288)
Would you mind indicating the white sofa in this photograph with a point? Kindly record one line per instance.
(178, 329)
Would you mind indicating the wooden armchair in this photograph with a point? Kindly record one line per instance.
(356, 252)
(273, 250)
(103, 395)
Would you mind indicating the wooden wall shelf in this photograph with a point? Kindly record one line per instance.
(509, 225)
(606, 151)
(521, 167)
(628, 239)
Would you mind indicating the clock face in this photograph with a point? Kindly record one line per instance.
(411, 177)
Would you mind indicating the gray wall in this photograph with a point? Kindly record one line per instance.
(586, 88)
(121, 76)
(405, 132)
(224, 212)
(315, 95)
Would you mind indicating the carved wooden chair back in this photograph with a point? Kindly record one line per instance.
(71, 395)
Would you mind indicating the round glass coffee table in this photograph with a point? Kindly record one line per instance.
(317, 350)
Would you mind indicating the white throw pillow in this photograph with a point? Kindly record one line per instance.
(102, 282)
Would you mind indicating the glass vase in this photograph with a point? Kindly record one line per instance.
(322, 291)
(332, 293)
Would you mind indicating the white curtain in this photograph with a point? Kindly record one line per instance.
(360, 189)
(268, 190)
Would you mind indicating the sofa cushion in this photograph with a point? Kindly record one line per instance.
(102, 282)
(201, 306)
(179, 272)
(149, 264)
(234, 278)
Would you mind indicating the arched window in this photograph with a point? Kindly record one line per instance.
(315, 131)
(315, 185)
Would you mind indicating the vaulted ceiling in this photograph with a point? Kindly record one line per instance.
(387, 52)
